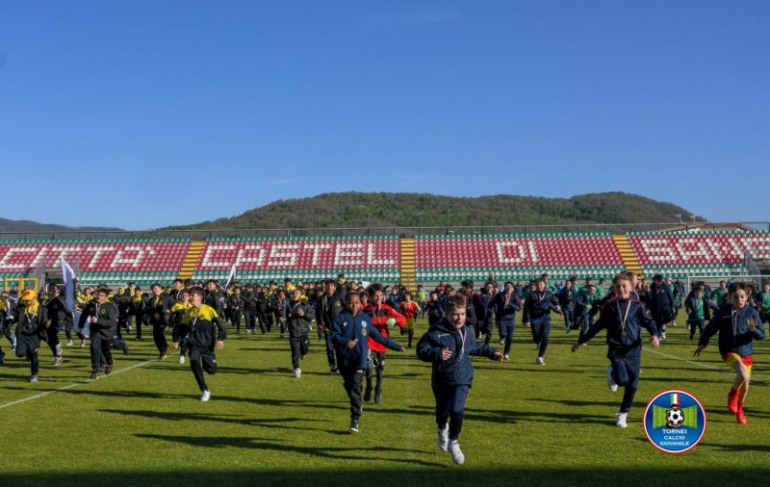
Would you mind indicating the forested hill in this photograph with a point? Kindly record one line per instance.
(26, 226)
(343, 210)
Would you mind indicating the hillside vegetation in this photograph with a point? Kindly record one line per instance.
(352, 209)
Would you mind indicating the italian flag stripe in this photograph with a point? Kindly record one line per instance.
(675, 399)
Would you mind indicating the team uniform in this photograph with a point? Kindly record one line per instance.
(623, 320)
(157, 310)
(567, 297)
(410, 310)
(201, 340)
(537, 312)
(736, 342)
(30, 327)
(662, 305)
(352, 362)
(179, 329)
(484, 315)
(299, 316)
(59, 315)
(698, 313)
(328, 308)
(101, 334)
(380, 316)
(504, 309)
(451, 379)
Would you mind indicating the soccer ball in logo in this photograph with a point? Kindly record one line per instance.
(674, 417)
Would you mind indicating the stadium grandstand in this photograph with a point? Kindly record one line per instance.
(401, 256)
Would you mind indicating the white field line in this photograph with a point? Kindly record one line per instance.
(699, 364)
(76, 384)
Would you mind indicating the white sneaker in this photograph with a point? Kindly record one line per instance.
(610, 382)
(443, 438)
(297, 372)
(206, 395)
(69, 343)
(506, 357)
(457, 455)
(620, 422)
(58, 361)
(33, 379)
(539, 361)
(181, 359)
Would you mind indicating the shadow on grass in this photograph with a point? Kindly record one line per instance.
(353, 454)
(282, 423)
(405, 474)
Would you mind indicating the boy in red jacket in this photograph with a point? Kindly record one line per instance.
(409, 309)
(382, 317)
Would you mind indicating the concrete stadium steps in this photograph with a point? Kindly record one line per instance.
(191, 259)
(408, 263)
(627, 254)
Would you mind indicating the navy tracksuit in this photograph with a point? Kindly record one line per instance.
(352, 362)
(451, 379)
(623, 321)
(537, 312)
(505, 310)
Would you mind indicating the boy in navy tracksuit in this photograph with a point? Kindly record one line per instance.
(623, 317)
(504, 306)
(350, 335)
(738, 325)
(448, 345)
(537, 315)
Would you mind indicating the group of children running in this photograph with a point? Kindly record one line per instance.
(355, 322)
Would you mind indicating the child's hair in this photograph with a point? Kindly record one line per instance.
(737, 286)
(196, 290)
(624, 276)
(456, 301)
(407, 294)
(374, 287)
(350, 296)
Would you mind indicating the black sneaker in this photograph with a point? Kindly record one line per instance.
(378, 397)
(126, 350)
(108, 370)
(368, 394)
(354, 426)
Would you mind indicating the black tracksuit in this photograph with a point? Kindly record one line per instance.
(299, 316)
(29, 329)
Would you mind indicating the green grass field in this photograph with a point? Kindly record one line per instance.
(524, 424)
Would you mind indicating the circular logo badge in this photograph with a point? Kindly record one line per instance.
(674, 421)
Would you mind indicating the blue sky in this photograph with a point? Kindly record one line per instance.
(142, 114)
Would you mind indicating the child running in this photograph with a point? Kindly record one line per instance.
(623, 318)
(30, 327)
(201, 320)
(410, 309)
(738, 325)
(448, 345)
(179, 330)
(350, 335)
(383, 316)
(299, 316)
